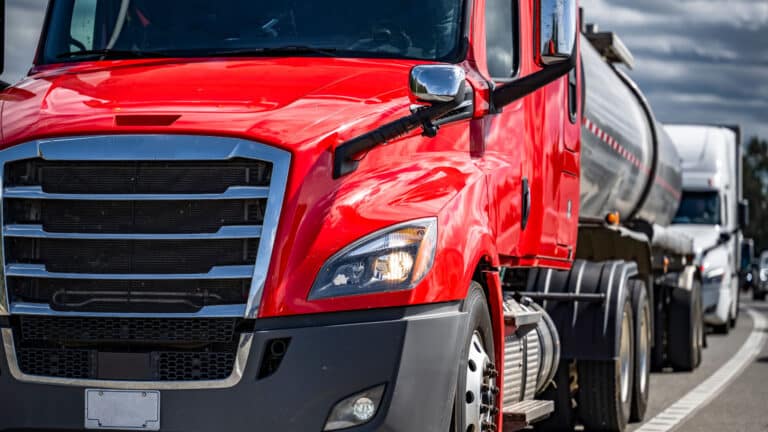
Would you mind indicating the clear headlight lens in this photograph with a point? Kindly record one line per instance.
(764, 275)
(394, 259)
(714, 277)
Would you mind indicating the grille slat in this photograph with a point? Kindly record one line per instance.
(137, 177)
(39, 271)
(126, 256)
(105, 330)
(225, 233)
(132, 217)
(233, 193)
(187, 296)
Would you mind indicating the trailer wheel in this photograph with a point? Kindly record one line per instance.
(605, 387)
(476, 390)
(686, 330)
(641, 310)
(559, 391)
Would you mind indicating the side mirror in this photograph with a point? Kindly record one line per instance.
(437, 83)
(556, 36)
(724, 238)
(557, 26)
(743, 214)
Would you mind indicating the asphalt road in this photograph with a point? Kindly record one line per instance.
(741, 405)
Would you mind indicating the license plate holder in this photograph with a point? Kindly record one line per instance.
(122, 409)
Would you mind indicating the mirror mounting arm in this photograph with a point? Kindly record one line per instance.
(343, 156)
(508, 93)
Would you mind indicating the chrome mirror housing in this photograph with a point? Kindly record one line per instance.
(437, 83)
(557, 30)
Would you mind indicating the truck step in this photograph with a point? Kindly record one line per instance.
(525, 413)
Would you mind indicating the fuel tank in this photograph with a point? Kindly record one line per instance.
(628, 162)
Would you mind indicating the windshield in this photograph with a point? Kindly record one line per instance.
(701, 208)
(427, 29)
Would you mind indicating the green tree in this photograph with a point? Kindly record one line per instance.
(756, 191)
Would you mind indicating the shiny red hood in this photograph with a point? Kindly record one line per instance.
(287, 101)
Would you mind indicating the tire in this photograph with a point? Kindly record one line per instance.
(658, 352)
(479, 329)
(722, 329)
(735, 319)
(758, 295)
(686, 331)
(563, 419)
(604, 398)
(641, 310)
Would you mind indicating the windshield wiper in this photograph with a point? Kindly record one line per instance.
(282, 50)
(113, 54)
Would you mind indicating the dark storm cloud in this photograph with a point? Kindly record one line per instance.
(697, 60)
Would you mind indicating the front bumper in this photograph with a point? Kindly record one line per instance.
(330, 357)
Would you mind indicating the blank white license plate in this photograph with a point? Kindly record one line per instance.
(122, 409)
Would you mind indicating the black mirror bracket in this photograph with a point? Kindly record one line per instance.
(508, 93)
(343, 156)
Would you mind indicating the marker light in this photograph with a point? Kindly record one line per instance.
(355, 410)
(393, 259)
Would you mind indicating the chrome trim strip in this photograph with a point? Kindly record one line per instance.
(169, 148)
(233, 193)
(39, 271)
(241, 360)
(226, 232)
(225, 311)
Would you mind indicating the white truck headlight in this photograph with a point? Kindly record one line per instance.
(394, 259)
(714, 276)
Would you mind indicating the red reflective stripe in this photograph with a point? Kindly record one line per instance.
(629, 156)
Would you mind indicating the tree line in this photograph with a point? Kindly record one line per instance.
(756, 191)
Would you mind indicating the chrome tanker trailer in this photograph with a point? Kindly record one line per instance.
(632, 299)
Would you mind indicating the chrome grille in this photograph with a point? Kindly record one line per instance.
(139, 225)
(136, 250)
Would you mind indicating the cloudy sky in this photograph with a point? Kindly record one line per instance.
(697, 60)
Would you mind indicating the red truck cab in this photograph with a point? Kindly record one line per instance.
(277, 216)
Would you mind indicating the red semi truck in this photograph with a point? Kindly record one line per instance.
(443, 215)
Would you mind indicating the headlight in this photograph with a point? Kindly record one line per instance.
(394, 259)
(714, 276)
(764, 275)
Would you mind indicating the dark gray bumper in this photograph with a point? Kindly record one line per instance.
(412, 351)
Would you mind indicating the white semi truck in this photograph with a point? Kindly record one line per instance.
(712, 211)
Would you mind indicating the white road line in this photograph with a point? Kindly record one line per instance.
(699, 397)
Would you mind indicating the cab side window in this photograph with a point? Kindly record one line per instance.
(500, 24)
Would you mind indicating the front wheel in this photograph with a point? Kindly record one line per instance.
(476, 391)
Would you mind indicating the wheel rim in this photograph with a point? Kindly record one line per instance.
(644, 348)
(625, 356)
(480, 398)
